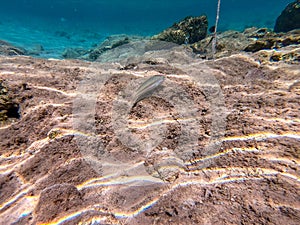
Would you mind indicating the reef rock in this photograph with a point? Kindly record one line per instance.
(36, 50)
(74, 53)
(189, 31)
(250, 40)
(8, 49)
(110, 43)
(274, 41)
(228, 42)
(289, 19)
(289, 55)
(218, 142)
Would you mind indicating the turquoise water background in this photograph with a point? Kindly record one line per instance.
(59, 24)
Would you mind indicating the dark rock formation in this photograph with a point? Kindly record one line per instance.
(9, 108)
(118, 47)
(251, 40)
(71, 159)
(274, 41)
(74, 53)
(289, 55)
(189, 31)
(289, 18)
(36, 50)
(8, 49)
(109, 43)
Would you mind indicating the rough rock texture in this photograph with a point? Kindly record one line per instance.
(289, 19)
(8, 49)
(289, 55)
(273, 42)
(74, 53)
(110, 43)
(9, 109)
(189, 30)
(228, 43)
(250, 40)
(69, 160)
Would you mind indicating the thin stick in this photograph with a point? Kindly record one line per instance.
(214, 42)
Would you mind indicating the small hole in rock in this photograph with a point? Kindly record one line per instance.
(13, 112)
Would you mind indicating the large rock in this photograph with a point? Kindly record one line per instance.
(216, 143)
(250, 40)
(289, 19)
(74, 53)
(10, 50)
(189, 30)
(272, 40)
(109, 43)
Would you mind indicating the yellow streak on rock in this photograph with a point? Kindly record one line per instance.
(15, 198)
(146, 125)
(55, 90)
(34, 147)
(140, 124)
(100, 181)
(263, 136)
(276, 119)
(222, 177)
(7, 73)
(62, 132)
(226, 152)
(21, 209)
(5, 127)
(71, 216)
(281, 159)
(123, 180)
(222, 173)
(139, 210)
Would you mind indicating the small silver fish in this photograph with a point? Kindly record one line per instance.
(147, 88)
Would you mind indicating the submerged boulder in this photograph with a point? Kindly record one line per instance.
(250, 40)
(110, 43)
(274, 41)
(36, 50)
(73, 53)
(10, 50)
(189, 31)
(289, 18)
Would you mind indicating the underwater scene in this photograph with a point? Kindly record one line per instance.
(149, 112)
(57, 25)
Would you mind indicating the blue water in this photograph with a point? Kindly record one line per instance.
(59, 24)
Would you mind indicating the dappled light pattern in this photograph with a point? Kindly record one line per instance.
(211, 142)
